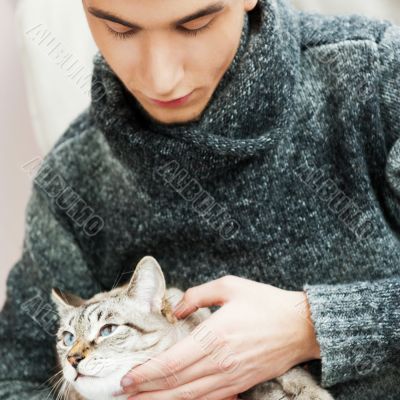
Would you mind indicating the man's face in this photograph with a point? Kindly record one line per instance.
(159, 53)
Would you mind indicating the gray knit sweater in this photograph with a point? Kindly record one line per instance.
(290, 177)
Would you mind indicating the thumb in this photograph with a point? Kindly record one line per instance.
(208, 294)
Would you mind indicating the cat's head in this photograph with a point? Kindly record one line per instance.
(102, 338)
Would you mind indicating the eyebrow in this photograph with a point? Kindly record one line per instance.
(211, 9)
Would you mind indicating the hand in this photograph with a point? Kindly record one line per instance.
(257, 334)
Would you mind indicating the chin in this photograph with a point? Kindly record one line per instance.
(98, 388)
(172, 116)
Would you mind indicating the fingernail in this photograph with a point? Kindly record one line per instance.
(119, 393)
(177, 307)
(126, 381)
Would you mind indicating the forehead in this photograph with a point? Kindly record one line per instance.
(90, 314)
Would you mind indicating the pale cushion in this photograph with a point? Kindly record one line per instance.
(57, 49)
(382, 9)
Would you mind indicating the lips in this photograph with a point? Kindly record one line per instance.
(172, 103)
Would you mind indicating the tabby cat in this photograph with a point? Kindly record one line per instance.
(100, 339)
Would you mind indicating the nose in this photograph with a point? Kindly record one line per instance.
(75, 359)
(162, 69)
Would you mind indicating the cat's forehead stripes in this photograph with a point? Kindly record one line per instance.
(92, 311)
(109, 315)
(87, 310)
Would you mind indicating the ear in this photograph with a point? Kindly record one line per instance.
(250, 4)
(64, 301)
(148, 284)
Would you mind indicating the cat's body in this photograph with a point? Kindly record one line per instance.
(104, 337)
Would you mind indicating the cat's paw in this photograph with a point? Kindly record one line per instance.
(314, 393)
(299, 384)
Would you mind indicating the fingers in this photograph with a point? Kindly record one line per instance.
(199, 389)
(167, 364)
(216, 395)
(206, 295)
(203, 367)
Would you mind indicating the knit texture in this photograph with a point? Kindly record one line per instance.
(291, 176)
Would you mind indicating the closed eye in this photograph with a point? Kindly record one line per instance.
(194, 32)
(133, 32)
(107, 330)
(139, 329)
(121, 35)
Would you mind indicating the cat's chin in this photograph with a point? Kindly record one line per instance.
(100, 388)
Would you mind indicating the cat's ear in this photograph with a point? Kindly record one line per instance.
(147, 284)
(65, 301)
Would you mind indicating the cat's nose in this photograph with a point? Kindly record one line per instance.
(75, 359)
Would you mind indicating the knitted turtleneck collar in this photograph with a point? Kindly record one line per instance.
(249, 110)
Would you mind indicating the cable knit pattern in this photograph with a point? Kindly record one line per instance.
(291, 176)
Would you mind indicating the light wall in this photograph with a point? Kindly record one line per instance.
(384, 9)
(17, 146)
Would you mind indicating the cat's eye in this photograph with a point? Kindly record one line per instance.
(107, 330)
(68, 338)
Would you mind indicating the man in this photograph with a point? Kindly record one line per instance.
(236, 138)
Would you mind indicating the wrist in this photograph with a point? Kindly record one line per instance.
(309, 346)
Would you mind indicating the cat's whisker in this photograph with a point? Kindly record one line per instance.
(67, 391)
(118, 279)
(51, 378)
(42, 389)
(40, 392)
(62, 390)
(55, 386)
(59, 385)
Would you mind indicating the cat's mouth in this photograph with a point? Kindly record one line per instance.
(79, 375)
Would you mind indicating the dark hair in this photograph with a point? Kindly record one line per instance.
(255, 16)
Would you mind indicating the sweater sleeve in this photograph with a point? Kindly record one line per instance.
(50, 258)
(358, 324)
(389, 52)
(357, 327)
